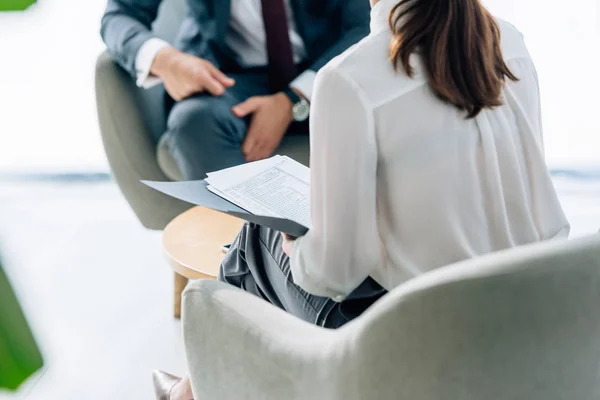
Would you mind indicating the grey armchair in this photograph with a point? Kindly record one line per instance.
(131, 119)
(521, 324)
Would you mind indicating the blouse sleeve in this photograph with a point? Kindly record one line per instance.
(342, 247)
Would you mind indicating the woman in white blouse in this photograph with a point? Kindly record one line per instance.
(426, 149)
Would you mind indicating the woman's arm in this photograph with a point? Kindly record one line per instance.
(343, 247)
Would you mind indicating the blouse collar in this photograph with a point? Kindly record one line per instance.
(380, 15)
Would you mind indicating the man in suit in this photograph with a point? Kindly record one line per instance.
(240, 74)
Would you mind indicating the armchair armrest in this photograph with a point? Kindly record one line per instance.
(240, 347)
(129, 146)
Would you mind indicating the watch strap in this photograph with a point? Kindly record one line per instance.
(294, 98)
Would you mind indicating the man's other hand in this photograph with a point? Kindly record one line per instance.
(271, 117)
(184, 75)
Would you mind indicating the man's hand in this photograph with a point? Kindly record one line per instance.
(271, 117)
(184, 75)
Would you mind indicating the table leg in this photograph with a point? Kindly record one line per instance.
(180, 284)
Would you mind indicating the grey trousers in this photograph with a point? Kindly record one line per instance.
(204, 135)
(257, 264)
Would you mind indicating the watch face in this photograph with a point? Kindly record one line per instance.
(301, 111)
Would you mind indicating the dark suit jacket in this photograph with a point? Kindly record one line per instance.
(328, 28)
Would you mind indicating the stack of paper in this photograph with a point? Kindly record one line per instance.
(273, 192)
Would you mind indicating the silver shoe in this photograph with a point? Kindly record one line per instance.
(164, 384)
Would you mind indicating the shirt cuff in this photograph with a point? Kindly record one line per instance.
(302, 278)
(143, 62)
(304, 83)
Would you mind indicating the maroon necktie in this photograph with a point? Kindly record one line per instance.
(282, 69)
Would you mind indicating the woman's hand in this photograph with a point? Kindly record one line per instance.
(288, 244)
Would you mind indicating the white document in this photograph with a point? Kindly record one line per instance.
(277, 187)
(247, 170)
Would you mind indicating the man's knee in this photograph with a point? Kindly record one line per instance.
(204, 119)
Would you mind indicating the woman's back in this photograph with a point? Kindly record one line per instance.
(461, 187)
(447, 187)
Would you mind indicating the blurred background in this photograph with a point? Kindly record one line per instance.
(92, 280)
(47, 102)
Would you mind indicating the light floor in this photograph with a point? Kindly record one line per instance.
(96, 289)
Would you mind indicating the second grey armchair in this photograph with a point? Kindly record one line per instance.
(131, 119)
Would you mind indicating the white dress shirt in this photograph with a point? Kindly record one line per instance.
(403, 183)
(246, 37)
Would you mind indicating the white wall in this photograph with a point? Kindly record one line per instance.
(564, 41)
(47, 107)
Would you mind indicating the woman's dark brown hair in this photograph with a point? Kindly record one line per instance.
(459, 42)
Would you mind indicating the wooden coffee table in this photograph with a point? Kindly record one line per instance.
(192, 245)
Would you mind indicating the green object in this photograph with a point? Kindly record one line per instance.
(19, 354)
(15, 5)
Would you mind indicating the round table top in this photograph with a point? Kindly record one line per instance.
(192, 242)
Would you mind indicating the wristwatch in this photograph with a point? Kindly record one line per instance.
(300, 107)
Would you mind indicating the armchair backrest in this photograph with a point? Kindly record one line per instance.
(151, 101)
(521, 324)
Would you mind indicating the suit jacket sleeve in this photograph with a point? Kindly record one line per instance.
(355, 26)
(126, 26)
